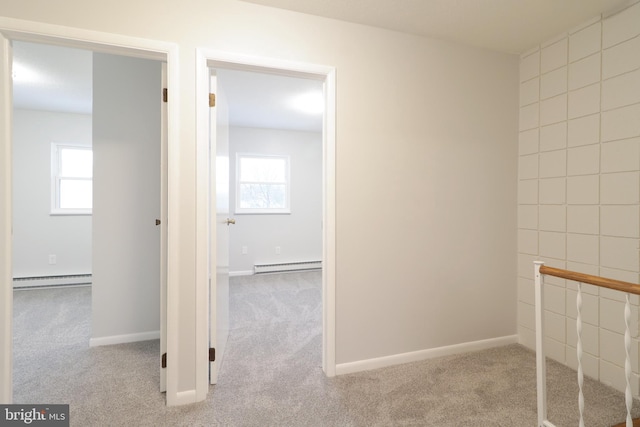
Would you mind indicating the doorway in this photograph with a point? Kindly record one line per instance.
(208, 60)
(105, 44)
(119, 126)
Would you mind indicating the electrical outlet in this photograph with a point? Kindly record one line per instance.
(245, 250)
(52, 259)
(278, 250)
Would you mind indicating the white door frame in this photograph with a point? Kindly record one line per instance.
(16, 29)
(206, 58)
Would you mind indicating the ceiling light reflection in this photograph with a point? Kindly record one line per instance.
(309, 103)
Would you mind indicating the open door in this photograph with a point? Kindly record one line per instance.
(219, 228)
(162, 223)
(6, 282)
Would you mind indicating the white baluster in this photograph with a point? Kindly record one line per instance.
(627, 362)
(579, 353)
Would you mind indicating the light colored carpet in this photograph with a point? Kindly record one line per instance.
(272, 376)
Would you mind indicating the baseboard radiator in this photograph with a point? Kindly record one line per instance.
(287, 267)
(48, 281)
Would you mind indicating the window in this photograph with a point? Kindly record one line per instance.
(71, 179)
(262, 184)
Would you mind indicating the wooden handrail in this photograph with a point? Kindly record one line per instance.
(603, 282)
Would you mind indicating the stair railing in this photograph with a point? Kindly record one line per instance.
(628, 288)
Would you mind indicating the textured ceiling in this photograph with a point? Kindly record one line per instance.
(511, 26)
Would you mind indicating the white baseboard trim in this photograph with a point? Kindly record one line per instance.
(122, 339)
(415, 356)
(241, 273)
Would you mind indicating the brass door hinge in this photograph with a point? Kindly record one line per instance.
(212, 100)
(165, 95)
(212, 355)
(164, 360)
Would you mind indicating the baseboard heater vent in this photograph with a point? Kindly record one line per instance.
(46, 281)
(287, 267)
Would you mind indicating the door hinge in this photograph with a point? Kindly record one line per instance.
(164, 360)
(212, 355)
(165, 94)
(212, 100)
(158, 222)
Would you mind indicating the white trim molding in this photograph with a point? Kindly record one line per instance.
(123, 339)
(6, 279)
(416, 356)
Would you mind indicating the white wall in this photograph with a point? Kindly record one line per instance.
(579, 180)
(126, 241)
(36, 233)
(426, 167)
(299, 234)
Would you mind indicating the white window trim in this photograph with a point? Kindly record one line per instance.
(55, 180)
(264, 211)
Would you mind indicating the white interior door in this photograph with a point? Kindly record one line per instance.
(6, 285)
(164, 198)
(127, 135)
(220, 222)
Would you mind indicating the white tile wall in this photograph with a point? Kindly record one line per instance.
(590, 364)
(583, 248)
(583, 160)
(553, 218)
(528, 241)
(584, 101)
(620, 156)
(583, 219)
(529, 117)
(553, 83)
(529, 92)
(553, 110)
(583, 190)
(528, 217)
(620, 123)
(553, 137)
(584, 131)
(528, 192)
(621, 58)
(584, 72)
(528, 166)
(553, 164)
(554, 56)
(590, 336)
(620, 188)
(620, 221)
(585, 42)
(620, 253)
(579, 187)
(528, 142)
(553, 191)
(620, 27)
(554, 299)
(552, 245)
(621, 90)
(530, 66)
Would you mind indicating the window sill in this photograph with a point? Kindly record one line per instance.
(71, 212)
(262, 212)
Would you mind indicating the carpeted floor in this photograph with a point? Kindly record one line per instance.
(271, 374)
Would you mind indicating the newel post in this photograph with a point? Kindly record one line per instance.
(541, 366)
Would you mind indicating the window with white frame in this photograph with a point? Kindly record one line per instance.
(71, 179)
(262, 184)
